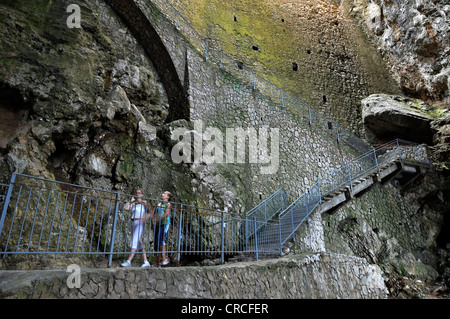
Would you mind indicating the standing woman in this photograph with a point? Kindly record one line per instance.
(139, 209)
(161, 224)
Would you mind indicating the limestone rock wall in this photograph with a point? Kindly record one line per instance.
(90, 101)
(414, 36)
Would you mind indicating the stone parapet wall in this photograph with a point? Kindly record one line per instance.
(301, 276)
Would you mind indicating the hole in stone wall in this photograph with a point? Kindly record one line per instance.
(308, 51)
(324, 99)
(294, 66)
(255, 47)
(235, 19)
(61, 154)
(282, 20)
(444, 236)
(240, 65)
(330, 125)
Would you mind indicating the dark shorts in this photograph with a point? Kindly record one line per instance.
(160, 236)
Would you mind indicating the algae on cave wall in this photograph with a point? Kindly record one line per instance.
(336, 64)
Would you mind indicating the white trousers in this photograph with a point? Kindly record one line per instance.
(138, 231)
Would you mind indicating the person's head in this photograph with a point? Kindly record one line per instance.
(139, 193)
(166, 196)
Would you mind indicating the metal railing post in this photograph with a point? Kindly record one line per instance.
(399, 151)
(350, 177)
(306, 206)
(337, 132)
(310, 118)
(113, 230)
(279, 232)
(246, 231)
(292, 223)
(320, 193)
(180, 226)
(376, 160)
(418, 155)
(6, 203)
(222, 244)
(265, 211)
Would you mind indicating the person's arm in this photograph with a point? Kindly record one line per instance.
(129, 205)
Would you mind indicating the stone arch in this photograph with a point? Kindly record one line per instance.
(155, 49)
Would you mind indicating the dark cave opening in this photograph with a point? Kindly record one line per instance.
(15, 108)
(13, 99)
(443, 238)
(61, 161)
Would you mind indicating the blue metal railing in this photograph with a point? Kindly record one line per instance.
(269, 207)
(46, 217)
(252, 79)
(290, 219)
(43, 217)
(265, 211)
(294, 215)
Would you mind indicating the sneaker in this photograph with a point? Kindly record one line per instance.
(145, 265)
(165, 262)
(125, 264)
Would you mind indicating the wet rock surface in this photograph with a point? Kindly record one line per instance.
(395, 116)
(414, 36)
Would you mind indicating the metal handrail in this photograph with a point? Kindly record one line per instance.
(308, 206)
(252, 211)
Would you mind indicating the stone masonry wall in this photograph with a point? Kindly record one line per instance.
(220, 100)
(313, 276)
